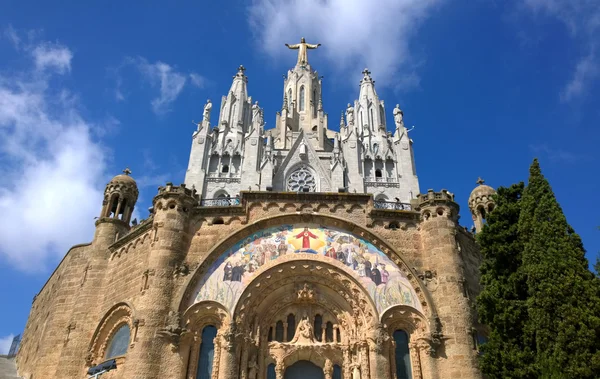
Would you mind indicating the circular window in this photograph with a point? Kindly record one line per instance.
(301, 180)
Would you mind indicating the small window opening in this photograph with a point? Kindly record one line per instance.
(225, 169)
(378, 173)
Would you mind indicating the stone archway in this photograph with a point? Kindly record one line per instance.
(304, 370)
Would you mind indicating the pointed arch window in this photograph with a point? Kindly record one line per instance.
(290, 100)
(403, 370)
(301, 99)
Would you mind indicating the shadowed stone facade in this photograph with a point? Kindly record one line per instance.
(284, 278)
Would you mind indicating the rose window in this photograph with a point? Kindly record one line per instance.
(301, 180)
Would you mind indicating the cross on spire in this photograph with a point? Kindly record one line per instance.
(127, 171)
(366, 72)
(241, 69)
(480, 181)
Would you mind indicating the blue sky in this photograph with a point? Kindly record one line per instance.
(88, 88)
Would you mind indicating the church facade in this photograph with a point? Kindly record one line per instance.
(294, 252)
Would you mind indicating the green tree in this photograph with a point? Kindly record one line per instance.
(502, 302)
(563, 304)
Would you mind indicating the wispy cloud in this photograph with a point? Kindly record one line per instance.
(52, 56)
(556, 154)
(354, 33)
(51, 162)
(166, 78)
(197, 80)
(5, 343)
(582, 19)
(587, 69)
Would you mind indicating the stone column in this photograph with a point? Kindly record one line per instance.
(364, 361)
(216, 358)
(244, 360)
(279, 369)
(154, 353)
(347, 363)
(228, 368)
(379, 343)
(439, 223)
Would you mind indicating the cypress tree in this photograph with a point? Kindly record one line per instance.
(502, 302)
(563, 304)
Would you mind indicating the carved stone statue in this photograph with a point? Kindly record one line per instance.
(302, 47)
(252, 368)
(398, 116)
(255, 111)
(207, 108)
(350, 114)
(304, 332)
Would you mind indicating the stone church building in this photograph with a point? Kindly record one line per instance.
(294, 252)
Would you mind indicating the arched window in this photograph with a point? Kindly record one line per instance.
(207, 352)
(378, 173)
(337, 372)
(403, 370)
(338, 335)
(279, 331)
(119, 342)
(372, 119)
(271, 371)
(225, 168)
(291, 326)
(301, 100)
(289, 96)
(318, 327)
(270, 337)
(329, 332)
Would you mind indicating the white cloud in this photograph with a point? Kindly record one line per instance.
(56, 56)
(354, 33)
(170, 82)
(5, 343)
(51, 165)
(197, 80)
(582, 18)
(585, 71)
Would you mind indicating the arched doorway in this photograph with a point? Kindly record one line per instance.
(304, 370)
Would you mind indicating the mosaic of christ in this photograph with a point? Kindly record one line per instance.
(228, 276)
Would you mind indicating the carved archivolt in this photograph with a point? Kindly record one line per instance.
(116, 317)
(325, 221)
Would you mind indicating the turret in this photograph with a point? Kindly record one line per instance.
(120, 196)
(172, 210)
(438, 229)
(481, 203)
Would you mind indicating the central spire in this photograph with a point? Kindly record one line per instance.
(302, 47)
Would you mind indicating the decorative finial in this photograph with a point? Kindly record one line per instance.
(127, 171)
(480, 181)
(241, 69)
(366, 72)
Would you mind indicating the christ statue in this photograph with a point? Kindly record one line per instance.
(302, 47)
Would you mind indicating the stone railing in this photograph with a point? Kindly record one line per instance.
(392, 205)
(220, 202)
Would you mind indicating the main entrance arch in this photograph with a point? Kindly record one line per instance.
(305, 292)
(304, 370)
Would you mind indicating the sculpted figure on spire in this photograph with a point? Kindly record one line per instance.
(302, 47)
